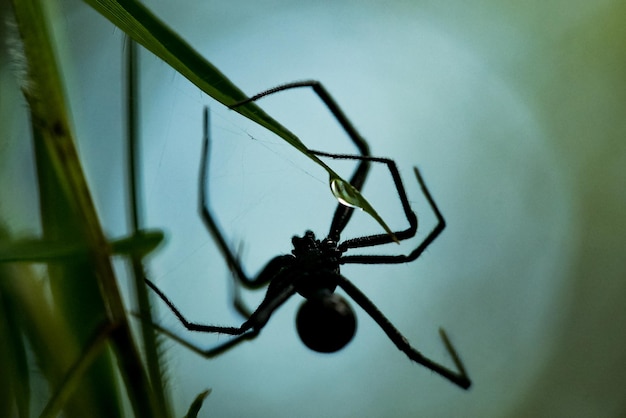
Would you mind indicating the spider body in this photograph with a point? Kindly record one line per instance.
(325, 321)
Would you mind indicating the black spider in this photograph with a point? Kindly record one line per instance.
(325, 320)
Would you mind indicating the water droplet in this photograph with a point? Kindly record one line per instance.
(345, 193)
(349, 196)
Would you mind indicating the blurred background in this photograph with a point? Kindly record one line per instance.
(514, 114)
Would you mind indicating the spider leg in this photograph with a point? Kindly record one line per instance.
(193, 326)
(379, 239)
(205, 213)
(277, 294)
(238, 303)
(211, 224)
(342, 213)
(375, 240)
(459, 377)
(327, 99)
(271, 270)
(208, 352)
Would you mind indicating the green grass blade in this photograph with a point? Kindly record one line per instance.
(65, 187)
(145, 28)
(138, 269)
(138, 22)
(26, 301)
(74, 286)
(197, 403)
(38, 250)
(14, 375)
(51, 340)
(69, 385)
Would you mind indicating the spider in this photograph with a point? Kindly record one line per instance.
(325, 321)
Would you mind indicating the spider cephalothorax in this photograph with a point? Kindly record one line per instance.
(314, 263)
(325, 320)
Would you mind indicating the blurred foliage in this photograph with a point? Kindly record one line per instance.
(70, 323)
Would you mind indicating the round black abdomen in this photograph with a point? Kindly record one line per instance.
(326, 324)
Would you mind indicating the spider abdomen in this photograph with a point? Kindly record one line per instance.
(326, 323)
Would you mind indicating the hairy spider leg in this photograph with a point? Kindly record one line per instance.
(459, 378)
(380, 239)
(343, 213)
(278, 295)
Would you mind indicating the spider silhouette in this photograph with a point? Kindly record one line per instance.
(325, 321)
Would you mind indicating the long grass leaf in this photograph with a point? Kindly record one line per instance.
(38, 250)
(197, 403)
(14, 369)
(44, 93)
(138, 270)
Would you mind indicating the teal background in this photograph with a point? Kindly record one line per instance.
(513, 111)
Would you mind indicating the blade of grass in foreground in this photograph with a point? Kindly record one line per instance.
(40, 251)
(65, 188)
(39, 332)
(138, 270)
(145, 28)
